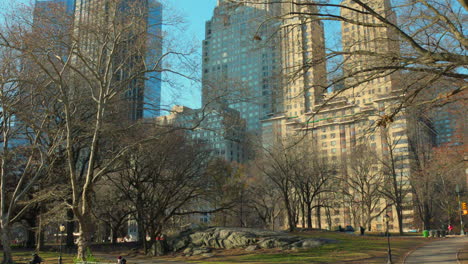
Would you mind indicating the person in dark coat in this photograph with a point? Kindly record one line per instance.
(36, 259)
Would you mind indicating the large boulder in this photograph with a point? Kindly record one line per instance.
(230, 238)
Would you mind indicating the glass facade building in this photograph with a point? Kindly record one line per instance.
(239, 70)
(144, 96)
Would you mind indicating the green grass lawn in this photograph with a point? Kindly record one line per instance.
(350, 248)
(23, 257)
(49, 257)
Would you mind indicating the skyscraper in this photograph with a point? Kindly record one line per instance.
(143, 93)
(366, 48)
(256, 62)
(237, 69)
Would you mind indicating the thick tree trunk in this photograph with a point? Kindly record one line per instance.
(319, 218)
(399, 212)
(39, 235)
(303, 212)
(329, 219)
(84, 240)
(309, 215)
(115, 234)
(70, 240)
(7, 256)
(291, 222)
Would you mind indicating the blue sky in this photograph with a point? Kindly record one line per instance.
(195, 13)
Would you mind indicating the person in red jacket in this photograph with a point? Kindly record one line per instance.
(450, 228)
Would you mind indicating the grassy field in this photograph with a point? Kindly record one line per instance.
(23, 257)
(350, 249)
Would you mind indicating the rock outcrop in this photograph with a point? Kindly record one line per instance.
(199, 241)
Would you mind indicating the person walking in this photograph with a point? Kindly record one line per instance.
(450, 228)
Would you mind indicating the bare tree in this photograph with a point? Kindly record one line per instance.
(96, 67)
(263, 196)
(422, 38)
(436, 172)
(112, 209)
(363, 185)
(163, 179)
(278, 165)
(313, 176)
(27, 153)
(395, 170)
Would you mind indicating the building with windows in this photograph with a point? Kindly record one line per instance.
(220, 130)
(255, 62)
(142, 94)
(361, 112)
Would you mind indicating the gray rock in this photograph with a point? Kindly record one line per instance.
(268, 243)
(229, 238)
(188, 250)
(200, 251)
(180, 243)
(208, 255)
(311, 243)
(252, 248)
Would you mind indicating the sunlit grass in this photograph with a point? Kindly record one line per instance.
(23, 257)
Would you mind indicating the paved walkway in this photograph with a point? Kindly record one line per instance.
(440, 252)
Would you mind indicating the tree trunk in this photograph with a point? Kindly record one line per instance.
(115, 234)
(291, 221)
(7, 256)
(329, 219)
(84, 240)
(309, 215)
(399, 212)
(39, 235)
(319, 218)
(70, 240)
(303, 212)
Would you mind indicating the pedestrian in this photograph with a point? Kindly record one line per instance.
(450, 228)
(36, 259)
(119, 260)
(362, 230)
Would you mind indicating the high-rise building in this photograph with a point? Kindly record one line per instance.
(142, 95)
(220, 129)
(251, 58)
(361, 112)
(366, 48)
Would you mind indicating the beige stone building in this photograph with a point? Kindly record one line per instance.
(360, 114)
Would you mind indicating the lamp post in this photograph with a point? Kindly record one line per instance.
(62, 229)
(389, 259)
(457, 189)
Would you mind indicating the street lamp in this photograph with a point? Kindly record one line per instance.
(457, 189)
(62, 229)
(389, 260)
